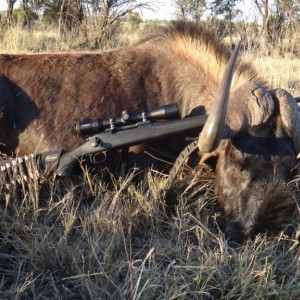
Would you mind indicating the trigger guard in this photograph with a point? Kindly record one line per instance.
(94, 157)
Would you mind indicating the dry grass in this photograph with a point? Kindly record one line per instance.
(18, 40)
(280, 72)
(48, 39)
(107, 237)
(91, 238)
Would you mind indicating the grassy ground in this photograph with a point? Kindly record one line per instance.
(112, 237)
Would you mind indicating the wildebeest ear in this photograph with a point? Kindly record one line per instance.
(230, 154)
(225, 149)
(209, 158)
(197, 158)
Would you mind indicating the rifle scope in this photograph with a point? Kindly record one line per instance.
(95, 126)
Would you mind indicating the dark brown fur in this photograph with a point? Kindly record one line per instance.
(43, 95)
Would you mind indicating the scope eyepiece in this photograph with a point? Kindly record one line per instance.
(88, 127)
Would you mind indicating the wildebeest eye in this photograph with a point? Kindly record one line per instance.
(245, 164)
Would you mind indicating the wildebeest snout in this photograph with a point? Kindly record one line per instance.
(252, 188)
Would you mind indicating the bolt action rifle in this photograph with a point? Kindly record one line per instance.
(105, 135)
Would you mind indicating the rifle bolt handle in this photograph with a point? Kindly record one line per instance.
(95, 142)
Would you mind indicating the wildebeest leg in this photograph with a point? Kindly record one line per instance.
(6, 124)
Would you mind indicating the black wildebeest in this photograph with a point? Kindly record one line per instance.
(43, 95)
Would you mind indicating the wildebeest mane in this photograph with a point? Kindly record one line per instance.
(205, 47)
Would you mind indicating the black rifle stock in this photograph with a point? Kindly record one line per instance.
(139, 133)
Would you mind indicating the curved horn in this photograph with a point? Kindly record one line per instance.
(210, 135)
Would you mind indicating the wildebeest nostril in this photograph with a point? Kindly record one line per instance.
(235, 233)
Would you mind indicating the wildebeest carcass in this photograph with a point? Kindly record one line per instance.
(43, 95)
